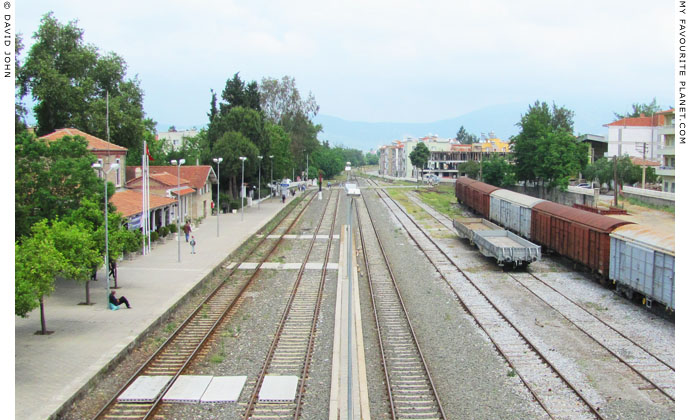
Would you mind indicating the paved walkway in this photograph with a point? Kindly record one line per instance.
(51, 369)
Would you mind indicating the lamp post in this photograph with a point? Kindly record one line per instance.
(271, 157)
(179, 207)
(218, 161)
(242, 158)
(261, 159)
(307, 177)
(105, 200)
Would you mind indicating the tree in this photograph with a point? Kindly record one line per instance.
(19, 108)
(280, 150)
(230, 147)
(51, 178)
(371, 159)
(68, 79)
(243, 120)
(330, 161)
(281, 98)
(36, 264)
(464, 137)
(469, 168)
(237, 93)
(498, 171)
(639, 109)
(420, 156)
(545, 150)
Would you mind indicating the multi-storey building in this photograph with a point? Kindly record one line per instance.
(176, 139)
(667, 170)
(640, 136)
(444, 158)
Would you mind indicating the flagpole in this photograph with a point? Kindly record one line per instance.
(143, 203)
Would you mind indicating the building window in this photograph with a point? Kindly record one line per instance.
(665, 186)
(673, 187)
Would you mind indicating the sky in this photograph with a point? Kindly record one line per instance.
(384, 61)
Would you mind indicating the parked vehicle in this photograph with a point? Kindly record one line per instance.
(493, 242)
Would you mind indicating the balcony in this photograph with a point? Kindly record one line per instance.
(667, 129)
(665, 171)
(668, 150)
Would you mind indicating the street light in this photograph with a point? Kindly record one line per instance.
(271, 157)
(242, 158)
(174, 162)
(99, 166)
(261, 158)
(218, 161)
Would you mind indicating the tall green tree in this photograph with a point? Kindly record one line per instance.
(498, 171)
(464, 137)
(639, 109)
(419, 157)
(230, 147)
(280, 150)
(281, 98)
(68, 80)
(36, 264)
(545, 150)
(51, 178)
(19, 108)
(469, 168)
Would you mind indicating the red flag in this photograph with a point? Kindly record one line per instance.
(148, 153)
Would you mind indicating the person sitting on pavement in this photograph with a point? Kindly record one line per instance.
(115, 302)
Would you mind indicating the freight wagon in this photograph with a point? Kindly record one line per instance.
(643, 261)
(513, 210)
(577, 234)
(494, 242)
(477, 195)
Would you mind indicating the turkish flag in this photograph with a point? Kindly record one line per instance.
(148, 153)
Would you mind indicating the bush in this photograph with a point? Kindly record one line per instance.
(134, 241)
(154, 236)
(163, 231)
(172, 228)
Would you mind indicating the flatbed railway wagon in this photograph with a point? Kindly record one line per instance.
(643, 262)
(577, 234)
(494, 242)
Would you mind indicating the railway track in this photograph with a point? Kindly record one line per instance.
(410, 388)
(558, 396)
(293, 343)
(191, 338)
(656, 371)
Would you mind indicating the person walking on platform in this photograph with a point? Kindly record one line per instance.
(187, 229)
(193, 244)
(115, 302)
(284, 195)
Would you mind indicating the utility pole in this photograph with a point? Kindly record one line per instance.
(615, 181)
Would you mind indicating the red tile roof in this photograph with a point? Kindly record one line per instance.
(94, 143)
(643, 121)
(183, 191)
(196, 176)
(639, 162)
(165, 179)
(128, 202)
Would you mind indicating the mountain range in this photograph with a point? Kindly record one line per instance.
(499, 119)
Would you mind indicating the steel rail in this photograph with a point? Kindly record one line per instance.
(603, 322)
(524, 338)
(404, 309)
(163, 347)
(317, 310)
(598, 341)
(253, 399)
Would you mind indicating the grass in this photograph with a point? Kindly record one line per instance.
(442, 198)
(636, 202)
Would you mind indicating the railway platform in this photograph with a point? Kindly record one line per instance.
(51, 369)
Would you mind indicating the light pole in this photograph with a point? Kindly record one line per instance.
(307, 177)
(105, 200)
(261, 159)
(242, 158)
(218, 161)
(271, 157)
(179, 208)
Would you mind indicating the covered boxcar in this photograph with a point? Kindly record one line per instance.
(513, 210)
(477, 196)
(643, 261)
(577, 234)
(461, 188)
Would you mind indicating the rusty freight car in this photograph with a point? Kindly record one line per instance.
(476, 195)
(577, 234)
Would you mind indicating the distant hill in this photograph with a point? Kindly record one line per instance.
(500, 119)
